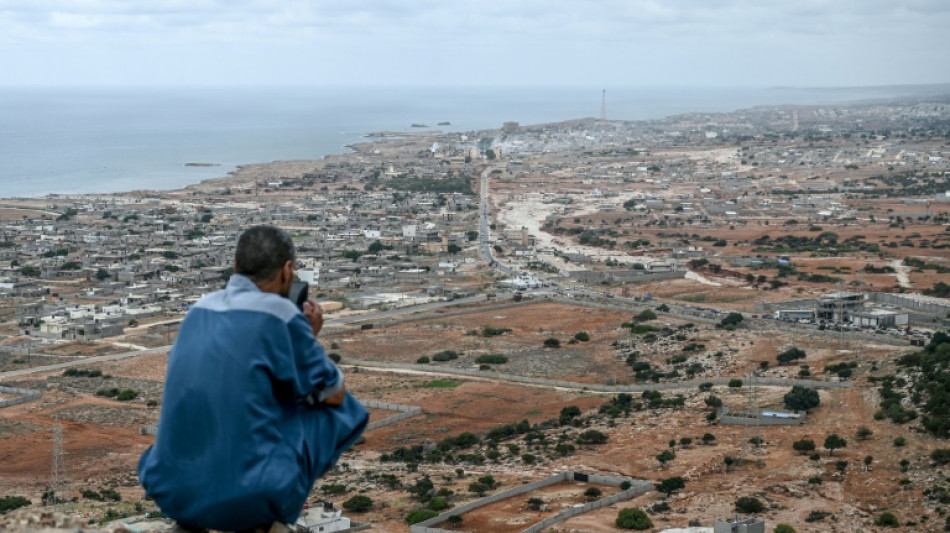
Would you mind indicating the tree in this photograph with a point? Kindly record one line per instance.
(670, 485)
(735, 383)
(804, 446)
(708, 438)
(102, 274)
(633, 518)
(833, 442)
(453, 248)
(478, 488)
(801, 398)
(375, 247)
(749, 505)
(713, 401)
(731, 321)
(592, 493)
(665, 456)
(30, 271)
(358, 504)
(863, 433)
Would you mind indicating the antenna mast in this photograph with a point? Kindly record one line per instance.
(603, 104)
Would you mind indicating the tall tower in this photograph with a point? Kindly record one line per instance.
(58, 484)
(603, 104)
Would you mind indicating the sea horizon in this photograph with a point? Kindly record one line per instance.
(92, 139)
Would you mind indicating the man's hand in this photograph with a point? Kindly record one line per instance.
(314, 314)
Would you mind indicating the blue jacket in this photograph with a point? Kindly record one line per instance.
(241, 440)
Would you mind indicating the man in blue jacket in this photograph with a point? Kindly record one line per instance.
(253, 410)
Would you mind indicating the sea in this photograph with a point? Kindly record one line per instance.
(71, 140)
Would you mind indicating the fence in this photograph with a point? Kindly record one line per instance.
(596, 387)
(405, 411)
(25, 395)
(637, 488)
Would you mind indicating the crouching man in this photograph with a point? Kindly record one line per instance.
(253, 410)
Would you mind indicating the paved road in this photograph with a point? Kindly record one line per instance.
(83, 361)
(485, 246)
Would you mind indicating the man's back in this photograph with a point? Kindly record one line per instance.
(236, 446)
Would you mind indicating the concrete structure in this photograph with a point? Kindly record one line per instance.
(749, 525)
(839, 306)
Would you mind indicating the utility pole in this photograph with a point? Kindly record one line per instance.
(603, 104)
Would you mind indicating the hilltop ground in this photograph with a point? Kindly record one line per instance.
(102, 440)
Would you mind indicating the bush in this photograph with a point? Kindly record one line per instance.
(593, 493)
(941, 456)
(489, 331)
(749, 505)
(418, 515)
(127, 395)
(591, 436)
(439, 503)
(887, 519)
(358, 504)
(784, 528)
(899, 442)
(110, 494)
(789, 355)
(491, 359)
(735, 383)
(633, 518)
(424, 360)
(552, 343)
(335, 357)
(9, 503)
(334, 489)
(445, 355)
(582, 336)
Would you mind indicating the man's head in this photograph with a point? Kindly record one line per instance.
(266, 255)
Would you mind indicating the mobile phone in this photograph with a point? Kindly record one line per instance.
(299, 292)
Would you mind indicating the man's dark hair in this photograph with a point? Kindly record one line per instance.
(262, 251)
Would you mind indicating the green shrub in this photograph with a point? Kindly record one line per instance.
(582, 336)
(749, 505)
(445, 355)
(489, 331)
(784, 528)
(887, 519)
(419, 515)
(424, 360)
(127, 395)
(633, 518)
(491, 359)
(9, 503)
(552, 343)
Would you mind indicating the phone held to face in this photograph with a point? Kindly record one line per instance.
(299, 292)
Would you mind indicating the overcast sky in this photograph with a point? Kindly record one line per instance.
(465, 42)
